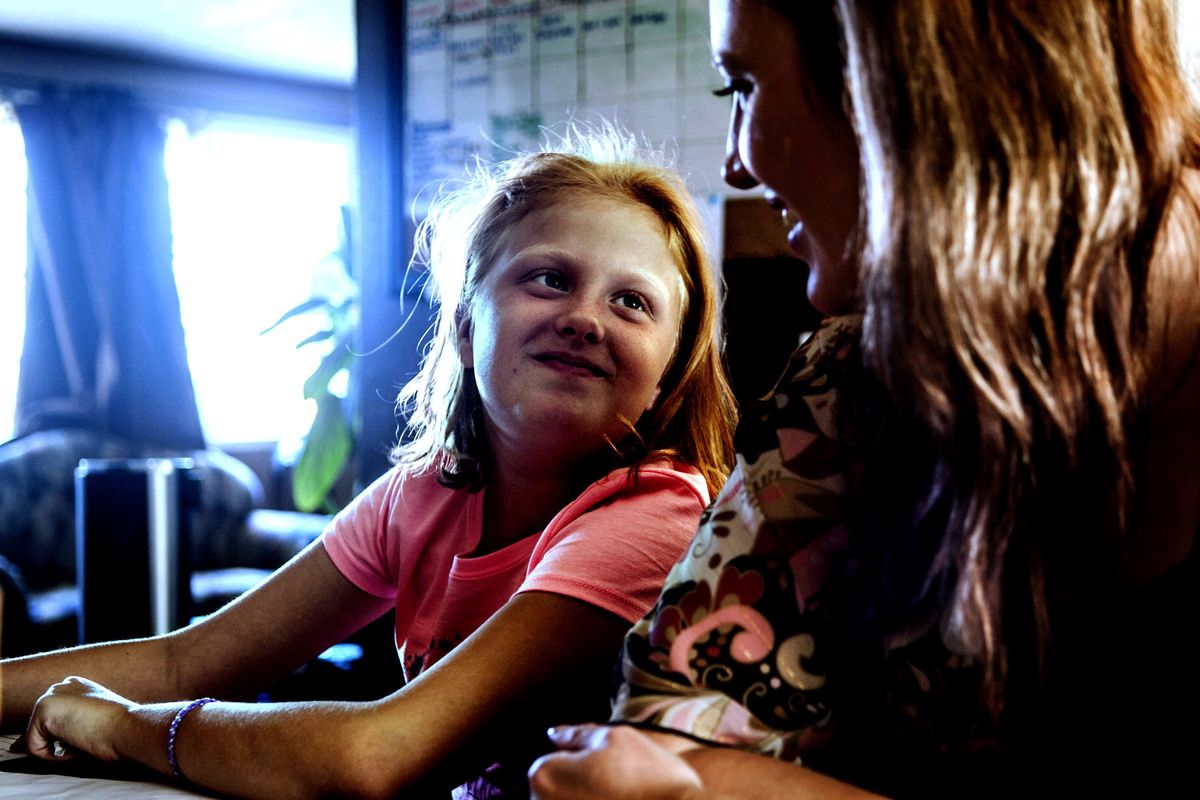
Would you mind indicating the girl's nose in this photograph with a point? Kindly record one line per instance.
(580, 321)
(733, 170)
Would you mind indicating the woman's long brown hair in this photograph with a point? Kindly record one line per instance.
(1018, 162)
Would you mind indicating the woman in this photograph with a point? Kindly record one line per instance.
(569, 420)
(957, 545)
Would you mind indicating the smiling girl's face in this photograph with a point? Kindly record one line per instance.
(575, 324)
(783, 135)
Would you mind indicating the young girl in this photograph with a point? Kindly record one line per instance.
(568, 424)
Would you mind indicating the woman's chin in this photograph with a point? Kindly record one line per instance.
(830, 297)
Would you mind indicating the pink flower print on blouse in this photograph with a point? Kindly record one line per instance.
(683, 630)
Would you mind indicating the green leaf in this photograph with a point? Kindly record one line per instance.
(338, 359)
(325, 453)
(303, 308)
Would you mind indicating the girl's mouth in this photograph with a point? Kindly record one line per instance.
(568, 362)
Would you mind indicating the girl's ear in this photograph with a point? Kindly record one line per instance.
(466, 354)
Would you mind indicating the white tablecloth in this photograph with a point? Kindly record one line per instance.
(65, 787)
(24, 777)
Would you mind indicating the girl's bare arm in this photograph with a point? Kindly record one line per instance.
(259, 638)
(541, 657)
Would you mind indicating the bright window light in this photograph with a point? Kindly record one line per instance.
(13, 174)
(1188, 23)
(256, 214)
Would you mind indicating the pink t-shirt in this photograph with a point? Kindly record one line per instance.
(404, 541)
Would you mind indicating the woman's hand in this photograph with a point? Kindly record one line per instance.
(76, 715)
(598, 762)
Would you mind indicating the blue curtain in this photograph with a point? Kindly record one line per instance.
(104, 347)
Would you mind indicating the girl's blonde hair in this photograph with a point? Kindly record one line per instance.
(458, 242)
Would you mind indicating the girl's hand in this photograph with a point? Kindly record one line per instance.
(76, 715)
(599, 761)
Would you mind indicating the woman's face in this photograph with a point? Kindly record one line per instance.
(574, 326)
(784, 136)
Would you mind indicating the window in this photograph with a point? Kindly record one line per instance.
(257, 221)
(1188, 20)
(12, 264)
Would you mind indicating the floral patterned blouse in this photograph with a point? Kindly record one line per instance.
(740, 648)
(737, 650)
(731, 653)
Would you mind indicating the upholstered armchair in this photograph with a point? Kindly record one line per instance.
(37, 532)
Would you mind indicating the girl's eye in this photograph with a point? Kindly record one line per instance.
(736, 86)
(551, 280)
(633, 301)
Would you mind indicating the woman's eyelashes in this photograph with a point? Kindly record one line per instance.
(736, 86)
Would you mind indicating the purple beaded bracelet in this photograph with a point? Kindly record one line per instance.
(174, 728)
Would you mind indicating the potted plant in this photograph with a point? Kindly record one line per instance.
(329, 442)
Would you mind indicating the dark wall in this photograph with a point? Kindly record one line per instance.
(766, 308)
(384, 234)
